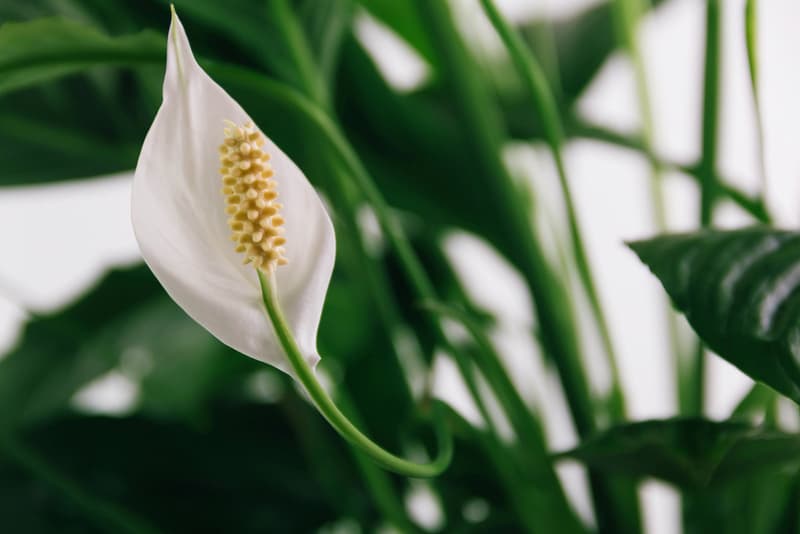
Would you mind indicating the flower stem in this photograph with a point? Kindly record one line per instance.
(331, 412)
(378, 482)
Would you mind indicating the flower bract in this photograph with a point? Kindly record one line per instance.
(213, 199)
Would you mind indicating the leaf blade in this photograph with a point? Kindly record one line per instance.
(42, 49)
(740, 291)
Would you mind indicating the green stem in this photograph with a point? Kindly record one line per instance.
(378, 482)
(627, 14)
(301, 56)
(751, 40)
(754, 206)
(424, 291)
(755, 401)
(482, 124)
(711, 89)
(554, 312)
(529, 432)
(489, 363)
(547, 109)
(106, 516)
(394, 234)
(522, 496)
(334, 416)
(365, 265)
(708, 173)
(303, 59)
(379, 485)
(494, 448)
(421, 284)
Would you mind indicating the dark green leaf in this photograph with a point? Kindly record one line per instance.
(32, 52)
(48, 366)
(416, 150)
(247, 24)
(243, 471)
(689, 452)
(739, 291)
(327, 25)
(49, 133)
(125, 322)
(764, 503)
(572, 51)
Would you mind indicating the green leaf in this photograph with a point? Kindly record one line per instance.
(404, 19)
(56, 127)
(739, 291)
(581, 45)
(126, 322)
(689, 452)
(572, 51)
(243, 471)
(327, 25)
(49, 144)
(763, 503)
(248, 25)
(39, 50)
(48, 366)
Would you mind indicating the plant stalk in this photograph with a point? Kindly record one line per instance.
(305, 375)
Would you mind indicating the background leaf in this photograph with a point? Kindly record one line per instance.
(35, 51)
(242, 468)
(689, 452)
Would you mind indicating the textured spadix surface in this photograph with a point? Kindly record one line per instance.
(180, 222)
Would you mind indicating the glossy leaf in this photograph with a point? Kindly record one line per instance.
(689, 452)
(740, 292)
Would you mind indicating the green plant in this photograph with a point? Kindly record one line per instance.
(80, 81)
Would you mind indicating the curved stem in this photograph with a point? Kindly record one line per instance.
(377, 481)
(331, 412)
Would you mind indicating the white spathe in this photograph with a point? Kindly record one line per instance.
(179, 219)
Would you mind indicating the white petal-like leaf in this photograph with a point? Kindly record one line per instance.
(179, 219)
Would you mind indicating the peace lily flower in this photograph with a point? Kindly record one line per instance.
(207, 175)
(239, 238)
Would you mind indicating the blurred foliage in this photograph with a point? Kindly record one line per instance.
(690, 452)
(216, 442)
